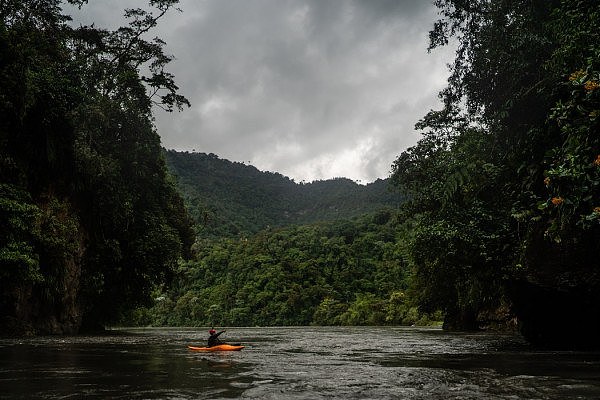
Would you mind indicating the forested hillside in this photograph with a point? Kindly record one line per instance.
(338, 273)
(90, 220)
(230, 199)
(274, 252)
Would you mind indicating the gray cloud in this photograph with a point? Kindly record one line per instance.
(310, 88)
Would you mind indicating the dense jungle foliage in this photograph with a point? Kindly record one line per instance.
(505, 184)
(89, 219)
(336, 273)
(231, 199)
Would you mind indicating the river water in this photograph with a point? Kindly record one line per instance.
(294, 363)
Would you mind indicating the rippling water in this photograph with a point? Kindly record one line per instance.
(295, 363)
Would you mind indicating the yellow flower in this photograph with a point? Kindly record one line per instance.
(557, 201)
(591, 85)
(597, 210)
(597, 161)
(577, 75)
(547, 181)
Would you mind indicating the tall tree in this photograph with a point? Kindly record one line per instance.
(521, 99)
(90, 219)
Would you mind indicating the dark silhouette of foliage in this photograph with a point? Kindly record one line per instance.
(504, 184)
(90, 220)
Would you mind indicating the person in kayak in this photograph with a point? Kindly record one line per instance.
(214, 340)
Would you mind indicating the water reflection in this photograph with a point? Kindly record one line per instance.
(122, 369)
(308, 363)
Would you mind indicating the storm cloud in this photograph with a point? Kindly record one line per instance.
(312, 89)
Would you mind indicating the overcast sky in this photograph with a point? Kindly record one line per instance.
(313, 89)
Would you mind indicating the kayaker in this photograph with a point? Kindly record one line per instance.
(214, 340)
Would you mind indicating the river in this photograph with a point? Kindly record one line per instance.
(294, 363)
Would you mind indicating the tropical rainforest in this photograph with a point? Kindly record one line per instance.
(493, 218)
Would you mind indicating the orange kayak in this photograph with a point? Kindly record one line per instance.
(219, 347)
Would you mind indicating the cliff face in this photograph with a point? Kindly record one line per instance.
(61, 314)
(557, 317)
(37, 312)
(557, 301)
(48, 301)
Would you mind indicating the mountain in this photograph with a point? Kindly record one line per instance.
(230, 199)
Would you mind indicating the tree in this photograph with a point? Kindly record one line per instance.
(512, 155)
(92, 220)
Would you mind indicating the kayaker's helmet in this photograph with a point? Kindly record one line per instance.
(212, 332)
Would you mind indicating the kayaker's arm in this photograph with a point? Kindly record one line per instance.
(214, 339)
